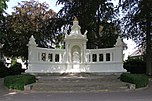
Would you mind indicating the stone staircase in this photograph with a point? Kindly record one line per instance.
(78, 83)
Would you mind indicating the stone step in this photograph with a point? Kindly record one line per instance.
(76, 80)
(78, 88)
(78, 84)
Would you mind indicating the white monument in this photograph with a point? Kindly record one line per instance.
(75, 57)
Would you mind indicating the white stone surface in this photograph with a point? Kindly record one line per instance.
(75, 57)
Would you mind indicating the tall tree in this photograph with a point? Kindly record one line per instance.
(138, 25)
(30, 18)
(91, 15)
(3, 6)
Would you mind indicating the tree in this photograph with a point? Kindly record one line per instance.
(138, 25)
(3, 6)
(91, 15)
(30, 18)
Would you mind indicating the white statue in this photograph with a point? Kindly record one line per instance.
(76, 58)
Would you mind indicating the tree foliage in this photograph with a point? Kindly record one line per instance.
(3, 6)
(30, 18)
(138, 25)
(91, 15)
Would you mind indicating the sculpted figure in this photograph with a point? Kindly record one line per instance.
(76, 58)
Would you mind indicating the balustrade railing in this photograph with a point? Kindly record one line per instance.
(60, 60)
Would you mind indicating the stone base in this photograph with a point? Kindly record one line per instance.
(78, 74)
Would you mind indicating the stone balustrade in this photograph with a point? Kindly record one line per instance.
(54, 60)
(75, 57)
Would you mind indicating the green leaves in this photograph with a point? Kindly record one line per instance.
(91, 14)
(135, 19)
(137, 24)
(140, 80)
(3, 5)
(29, 18)
(19, 81)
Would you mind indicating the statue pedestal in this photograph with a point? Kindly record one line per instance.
(76, 68)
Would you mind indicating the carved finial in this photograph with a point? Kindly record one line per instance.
(85, 34)
(75, 22)
(119, 42)
(32, 41)
(75, 18)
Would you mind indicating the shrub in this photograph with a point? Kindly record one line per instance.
(140, 80)
(3, 70)
(18, 81)
(16, 69)
(135, 65)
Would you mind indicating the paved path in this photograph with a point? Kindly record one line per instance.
(3, 89)
(144, 95)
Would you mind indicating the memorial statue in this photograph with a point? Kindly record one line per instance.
(76, 58)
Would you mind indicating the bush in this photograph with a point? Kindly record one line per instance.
(3, 70)
(18, 81)
(135, 65)
(16, 69)
(140, 80)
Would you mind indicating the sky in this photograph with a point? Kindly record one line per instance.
(52, 4)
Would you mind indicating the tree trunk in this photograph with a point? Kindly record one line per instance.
(148, 48)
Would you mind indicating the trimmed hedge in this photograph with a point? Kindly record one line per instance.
(140, 80)
(18, 81)
(15, 69)
(3, 70)
(135, 65)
